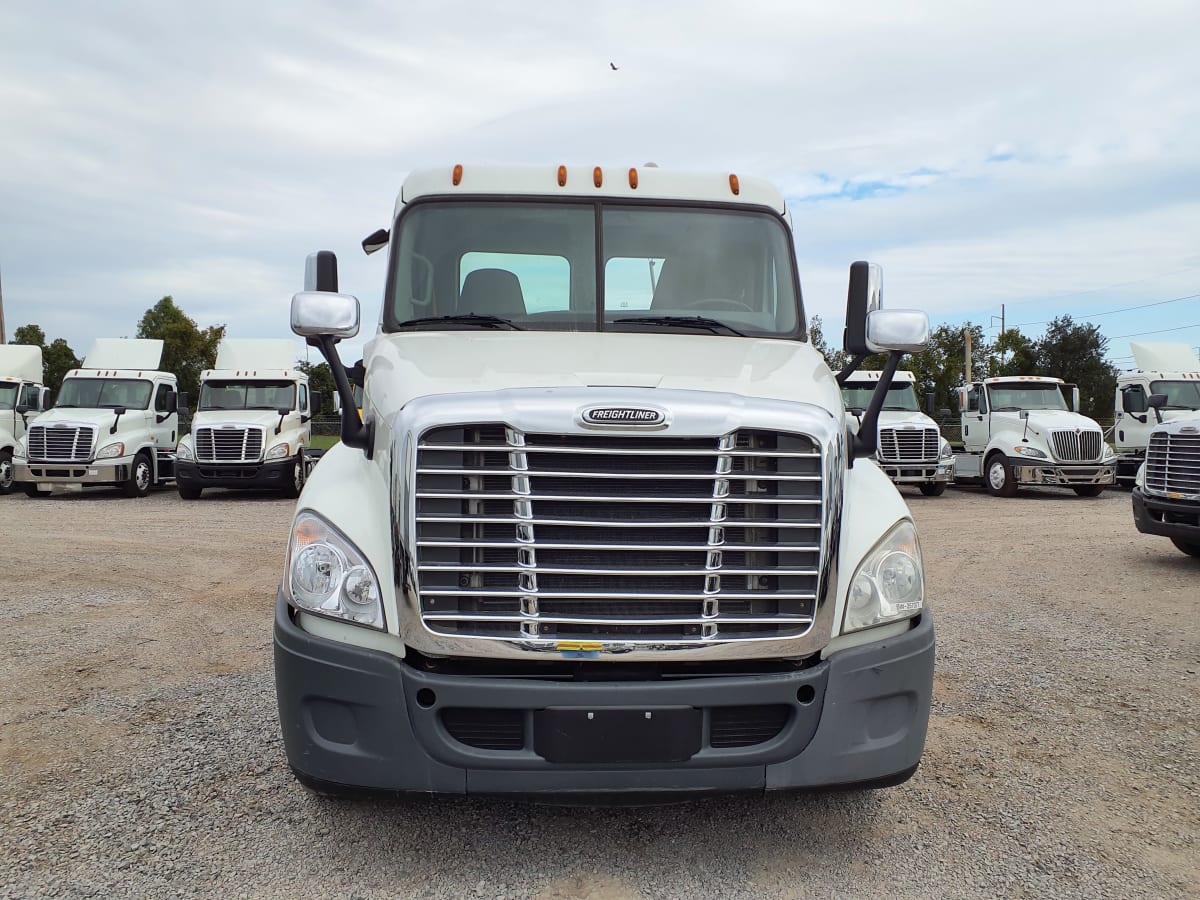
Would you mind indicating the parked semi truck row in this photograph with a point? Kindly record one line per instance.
(597, 531)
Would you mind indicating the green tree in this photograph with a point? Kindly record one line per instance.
(187, 349)
(320, 379)
(57, 359)
(1015, 354)
(1075, 352)
(941, 368)
(30, 335)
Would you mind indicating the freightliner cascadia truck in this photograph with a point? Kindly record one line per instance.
(604, 526)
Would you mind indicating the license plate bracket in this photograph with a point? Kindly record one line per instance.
(598, 735)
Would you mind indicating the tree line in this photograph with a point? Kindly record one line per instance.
(1072, 351)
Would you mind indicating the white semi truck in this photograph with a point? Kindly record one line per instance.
(604, 528)
(115, 422)
(911, 449)
(1017, 430)
(252, 422)
(1168, 369)
(22, 399)
(1166, 495)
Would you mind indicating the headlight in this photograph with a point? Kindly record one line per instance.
(184, 451)
(329, 576)
(111, 451)
(946, 450)
(1032, 452)
(889, 584)
(1109, 454)
(1140, 478)
(279, 451)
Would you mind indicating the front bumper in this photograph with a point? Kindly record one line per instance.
(362, 718)
(1169, 518)
(110, 471)
(190, 473)
(1068, 474)
(918, 472)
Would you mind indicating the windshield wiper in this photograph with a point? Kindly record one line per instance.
(476, 319)
(713, 325)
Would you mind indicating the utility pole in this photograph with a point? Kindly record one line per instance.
(3, 338)
(967, 366)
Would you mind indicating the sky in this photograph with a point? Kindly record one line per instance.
(1026, 158)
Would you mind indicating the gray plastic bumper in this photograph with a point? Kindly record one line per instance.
(1168, 518)
(361, 718)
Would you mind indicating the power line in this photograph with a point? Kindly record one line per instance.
(1113, 312)
(1160, 331)
(1106, 287)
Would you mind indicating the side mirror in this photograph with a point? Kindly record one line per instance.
(1074, 398)
(322, 314)
(863, 296)
(903, 330)
(181, 402)
(930, 404)
(172, 402)
(314, 402)
(375, 241)
(320, 272)
(1157, 401)
(944, 413)
(1133, 401)
(23, 408)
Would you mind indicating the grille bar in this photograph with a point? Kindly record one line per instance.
(655, 476)
(574, 498)
(1173, 464)
(674, 548)
(61, 443)
(616, 620)
(612, 595)
(229, 444)
(582, 523)
(1077, 446)
(546, 570)
(909, 444)
(545, 448)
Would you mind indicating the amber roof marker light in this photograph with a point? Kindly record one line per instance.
(562, 176)
(734, 186)
(633, 178)
(456, 178)
(597, 176)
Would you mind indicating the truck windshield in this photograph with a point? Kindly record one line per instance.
(1180, 394)
(899, 396)
(534, 266)
(8, 395)
(104, 393)
(1026, 395)
(247, 395)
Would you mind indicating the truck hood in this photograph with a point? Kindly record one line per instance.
(102, 418)
(402, 367)
(1044, 421)
(894, 418)
(214, 418)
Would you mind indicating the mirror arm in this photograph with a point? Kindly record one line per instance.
(355, 433)
(867, 440)
(850, 369)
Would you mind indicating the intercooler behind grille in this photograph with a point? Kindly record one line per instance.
(61, 443)
(232, 444)
(908, 444)
(617, 538)
(1173, 464)
(1077, 446)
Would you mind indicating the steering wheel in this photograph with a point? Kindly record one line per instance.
(720, 303)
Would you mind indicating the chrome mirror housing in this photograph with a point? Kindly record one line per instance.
(318, 314)
(905, 330)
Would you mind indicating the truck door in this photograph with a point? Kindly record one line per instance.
(975, 419)
(163, 424)
(1131, 431)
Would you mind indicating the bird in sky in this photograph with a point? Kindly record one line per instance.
(612, 66)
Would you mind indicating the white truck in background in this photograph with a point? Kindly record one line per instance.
(1168, 369)
(1166, 493)
(115, 422)
(1017, 431)
(22, 398)
(911, 449)
(599, 534)
(252, 422)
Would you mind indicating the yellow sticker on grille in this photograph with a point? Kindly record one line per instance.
(585, 646)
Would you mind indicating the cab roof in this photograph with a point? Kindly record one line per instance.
(873, 375)
(640, 182)
(1014, 379)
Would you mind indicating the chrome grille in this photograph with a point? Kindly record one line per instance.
(1173, 464)
(617, 538)
(1077, 446)
(229, 443)
(908, 444)
(61, 443)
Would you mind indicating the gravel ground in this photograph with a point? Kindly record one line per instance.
(140, 755)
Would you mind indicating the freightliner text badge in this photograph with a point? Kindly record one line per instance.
(623, 415)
